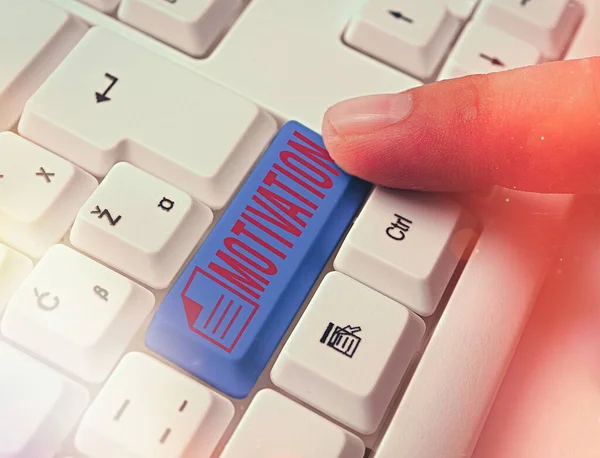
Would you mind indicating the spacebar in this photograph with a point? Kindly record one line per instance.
(449, 397)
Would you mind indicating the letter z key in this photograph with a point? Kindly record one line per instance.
(234, 301)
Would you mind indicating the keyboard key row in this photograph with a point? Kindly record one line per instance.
(416, 36)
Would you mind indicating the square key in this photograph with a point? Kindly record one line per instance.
(303, 433)
(407, 246)
(349, 352)
(149, 410)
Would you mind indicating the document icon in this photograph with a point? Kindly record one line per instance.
(342, 339)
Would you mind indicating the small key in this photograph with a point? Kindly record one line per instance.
(40, 195)
(35, 36)
(348, 353)
(14, 267)
(148, 410)
(484, 49)
(549, 25)
(38, 406)
(275, 427)
(412, 35)
(120, 101)
(193, 27)
(146, 230)
(106, 6)
(406, 246)
(251, 274)
(76, 313)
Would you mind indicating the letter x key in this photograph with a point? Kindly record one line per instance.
(47, 175)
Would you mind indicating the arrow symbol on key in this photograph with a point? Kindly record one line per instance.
(103, 97)
(493, 60)
(399, 15)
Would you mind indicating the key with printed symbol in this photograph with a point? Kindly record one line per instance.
(40, 194)
(38, 406)
(148, 410)
(108, 225)
(483, 49)
(406, 246)
(549, 25)
(34, 38)
(122, 102)
(348, 353)
(76, 313)
(412, 36)
(192, 27)
(305, 434)
(14, 268)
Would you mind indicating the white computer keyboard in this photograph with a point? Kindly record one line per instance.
(185, 273)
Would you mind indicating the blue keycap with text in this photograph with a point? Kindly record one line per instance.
(226, 313)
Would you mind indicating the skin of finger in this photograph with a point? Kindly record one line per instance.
(532, 129)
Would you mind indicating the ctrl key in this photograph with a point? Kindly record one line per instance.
(276, 427)
(407, 246)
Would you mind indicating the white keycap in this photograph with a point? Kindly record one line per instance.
(275, 427)
(34, 37)
(38, 406)
(107, 6)
(192, 27)
(412, 35)
(140, 225)
(484, 49)
(347, 355)
(76, 313)
(120, 101)
(148, 410)
(549, 25)
(40, 195)
(14, 267)
(406, 246)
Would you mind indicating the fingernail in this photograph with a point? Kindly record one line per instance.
(367, 114)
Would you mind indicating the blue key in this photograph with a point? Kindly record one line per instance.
(230, 307)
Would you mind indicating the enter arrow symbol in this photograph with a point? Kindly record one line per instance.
(103, 96)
